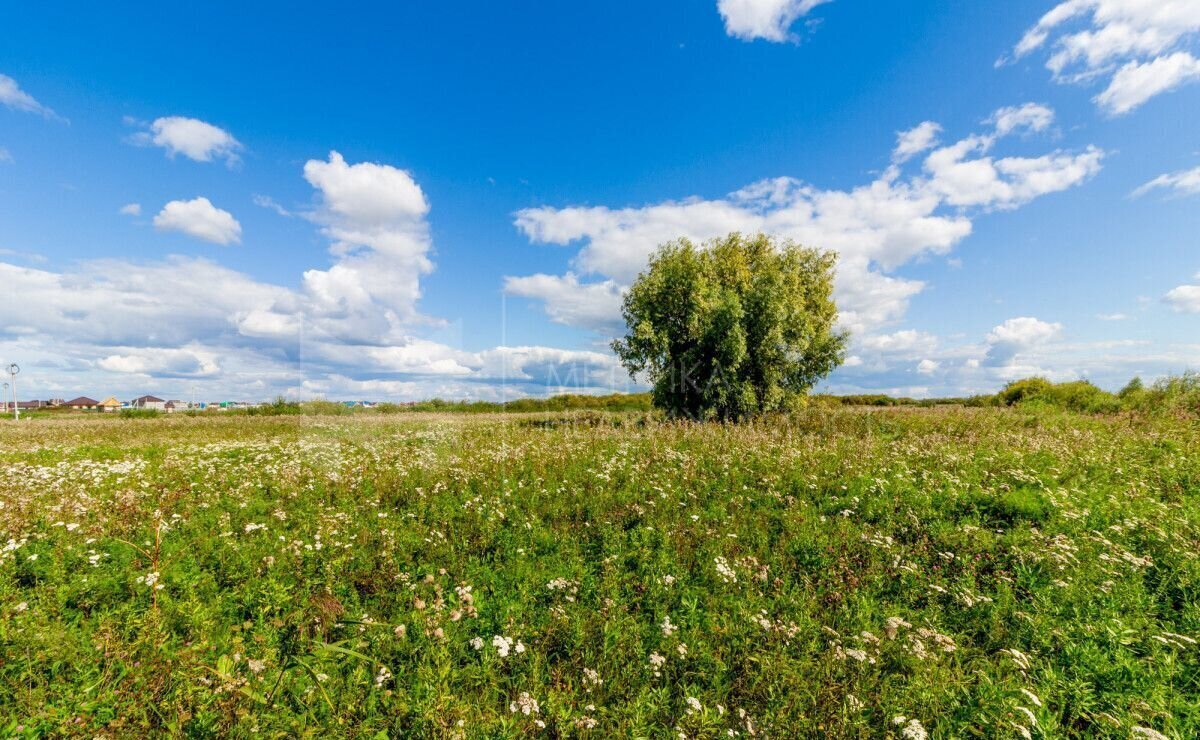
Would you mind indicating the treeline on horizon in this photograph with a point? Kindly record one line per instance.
(1178, 393)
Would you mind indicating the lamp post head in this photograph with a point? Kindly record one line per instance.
(13, 369)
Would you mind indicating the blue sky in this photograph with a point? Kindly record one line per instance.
(418, 199)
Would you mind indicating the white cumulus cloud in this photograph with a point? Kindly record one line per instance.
(1141, 47)
(771, 20)
(375, 216)
(592, 305)
(199, 218)
(1137, 82)
(162, 362)
(919, 139)
(1009, 341)
(195, 139)
(1185, 298)
(1032, 117)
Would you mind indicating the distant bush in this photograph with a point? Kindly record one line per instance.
(881, 399)
(981, 401)
(1082, 396)
(279, 407)
(875, 399)
(1077, 395)
(139, 413)
(283, 407)
(324, 408)
(1173, 394)
(1179, 392)
(1131, 389)
(1023, 390)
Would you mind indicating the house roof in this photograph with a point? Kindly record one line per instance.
(147, 399)
(110, 401)
(82, 401)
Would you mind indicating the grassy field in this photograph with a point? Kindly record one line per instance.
(844, 573)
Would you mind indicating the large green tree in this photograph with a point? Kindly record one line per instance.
(733, 328)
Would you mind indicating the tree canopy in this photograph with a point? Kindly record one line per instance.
(733, 328)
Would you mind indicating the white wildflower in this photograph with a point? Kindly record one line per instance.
(914, 730)
(893, 627)
(382, 677)
(503, 645)
(656, 663)
(668, 629)
(524, 704)
(725, 571)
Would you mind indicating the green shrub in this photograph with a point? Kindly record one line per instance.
(279, 407)
(1176, 393)
(1023, 390)
(1078, 395)
(1082, 396)
(324, 408)
(1132, 388)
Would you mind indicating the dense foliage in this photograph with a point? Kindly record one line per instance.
(733, 328)
(844, 572)
(1172, 394)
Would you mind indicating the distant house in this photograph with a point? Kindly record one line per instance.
(153, 403)
(83, 403)
(110, 404)
(175, 405)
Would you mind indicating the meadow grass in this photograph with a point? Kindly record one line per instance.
(841, 572)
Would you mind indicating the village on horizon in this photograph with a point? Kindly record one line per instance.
(147, 403)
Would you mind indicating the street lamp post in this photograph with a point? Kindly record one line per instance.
(4, 401)
(13, 369)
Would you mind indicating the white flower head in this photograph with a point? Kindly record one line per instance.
(524, 704)
(503, 645)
